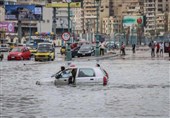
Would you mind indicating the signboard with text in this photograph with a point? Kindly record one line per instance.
(133, 21)
(8, 27)
(64, 5)
(23, 12)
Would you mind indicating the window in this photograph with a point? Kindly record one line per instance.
(86, 72)
(66, 74)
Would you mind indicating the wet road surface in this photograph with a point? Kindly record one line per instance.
(137, 88)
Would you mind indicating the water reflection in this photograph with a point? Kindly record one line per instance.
(137, 88)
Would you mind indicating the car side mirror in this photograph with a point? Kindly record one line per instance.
(58, 76)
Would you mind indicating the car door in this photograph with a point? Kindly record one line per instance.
(85, 75)
(63, 77)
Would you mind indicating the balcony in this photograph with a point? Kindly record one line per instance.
(149, 3)
(150, 19)
(150, 15)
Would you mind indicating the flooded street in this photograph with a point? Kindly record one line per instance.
(137, 88)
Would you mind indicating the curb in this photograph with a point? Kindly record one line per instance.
(95, 58)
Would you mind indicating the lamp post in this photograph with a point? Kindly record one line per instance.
(68, 50)
(54, 22)
(73, 34)
(62, 23)
(30, 30)
(97, 29)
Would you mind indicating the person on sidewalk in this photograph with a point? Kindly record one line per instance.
(122, 48)
(102, 48)
(152, 46)
(157, 49)
(133, 48)
(161, 48)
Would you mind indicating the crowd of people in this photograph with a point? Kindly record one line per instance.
(156, 47)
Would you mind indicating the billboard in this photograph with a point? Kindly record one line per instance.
(23, 12)
(64, 5)
(8, 27)
(131, 21)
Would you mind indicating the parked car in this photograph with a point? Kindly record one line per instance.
(74, 51)
(167, 47)
(1, 56)
(32, 49)
(19, 53)
(4, 48)
(86, 50)
(12, 45)
(73, 45)
(84, 75)
(112, 44)
(45, 51)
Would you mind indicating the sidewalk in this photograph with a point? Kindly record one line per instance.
(142, 52)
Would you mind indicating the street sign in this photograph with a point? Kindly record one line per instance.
(64, 5)
(65, 36)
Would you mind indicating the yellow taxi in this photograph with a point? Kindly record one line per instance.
(12, 45)
(45, 51)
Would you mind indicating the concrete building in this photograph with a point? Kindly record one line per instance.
(110, 25)
(2, 13)
(168, 22)
(121, 8)
(90, 14)
(155, 15)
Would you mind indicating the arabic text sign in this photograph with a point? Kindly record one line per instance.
(7, 26)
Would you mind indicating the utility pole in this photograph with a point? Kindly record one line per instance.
(68, 49)
(54, 22)
(97, 29)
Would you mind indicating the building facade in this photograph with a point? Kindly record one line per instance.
(155, 11)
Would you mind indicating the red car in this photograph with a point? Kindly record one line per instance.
(19, 53)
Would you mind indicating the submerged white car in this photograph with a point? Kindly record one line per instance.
(83, 75)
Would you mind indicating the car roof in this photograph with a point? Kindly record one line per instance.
(80, 66)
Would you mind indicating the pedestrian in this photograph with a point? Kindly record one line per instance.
(133, 48)
(161, 48)
(102, 48)
(122, 48)
(157, 49)
(72, 78)
(152, 46)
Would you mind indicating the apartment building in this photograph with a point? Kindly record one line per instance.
(90, 14)
(155, 11)
(110, 25)
(120, 8)
(168, 29)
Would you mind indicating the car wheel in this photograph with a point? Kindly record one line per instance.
(53, 59)
(22, 58)
(29, 58)
(49, 58)
(36, 59)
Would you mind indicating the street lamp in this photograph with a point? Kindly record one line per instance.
(62, 23)
(30, 30)
(97, 29)
(68, 50)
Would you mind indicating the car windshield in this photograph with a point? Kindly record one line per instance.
(45, 46)
(16, 49)
(43, 50)
(31, 46)
(85, 47)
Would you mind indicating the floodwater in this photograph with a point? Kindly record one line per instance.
(137, 88)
